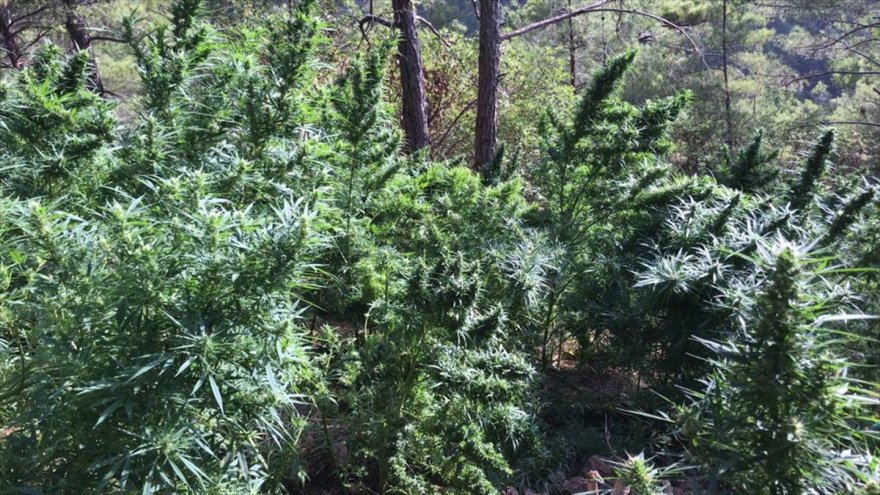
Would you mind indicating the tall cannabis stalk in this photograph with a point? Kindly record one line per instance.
(603, 190)
(781, 416)
(803, 190)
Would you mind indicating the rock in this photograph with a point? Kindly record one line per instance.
(599, 465)
(509, 490)
(529, 492)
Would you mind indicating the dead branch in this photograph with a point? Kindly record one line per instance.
(553, 20)
(858, 28)
(367, 22)
(851, 122)
(32, 13)
(598, 7)
(832, 72)
(432, 29)
(454, 123)
(111, 39)
(369, 19)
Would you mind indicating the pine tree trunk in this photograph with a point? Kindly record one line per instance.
(486, 132)
(10, 38)
(572, 51)
(79, 35)
(412, 80)
(728, 117)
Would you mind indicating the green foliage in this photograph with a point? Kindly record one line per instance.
(780, 414)
(54, 128)
(243, 287)
(604, 188)
(698, 251)
(159, 358)
(751, 171)
(441, 342)
(159, 336)
(155, 328)
(164, 58)
(814, 168)
(363, 160)
(640, 476)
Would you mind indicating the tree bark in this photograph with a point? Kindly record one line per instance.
(412, 78)
(728, 117)
(78, 31)
(486, 132)
(572, 51)
(11, 43)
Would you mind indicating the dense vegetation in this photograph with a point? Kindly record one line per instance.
(235, 281)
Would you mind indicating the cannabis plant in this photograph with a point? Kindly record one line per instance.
(55, 130)
(153, 327)
(441, 349)
(640, 476)
(159, 359)
(779, 414)
(603, 189)
(700, 250)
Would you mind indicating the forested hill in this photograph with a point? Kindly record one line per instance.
(623, 247)
(792, 66)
